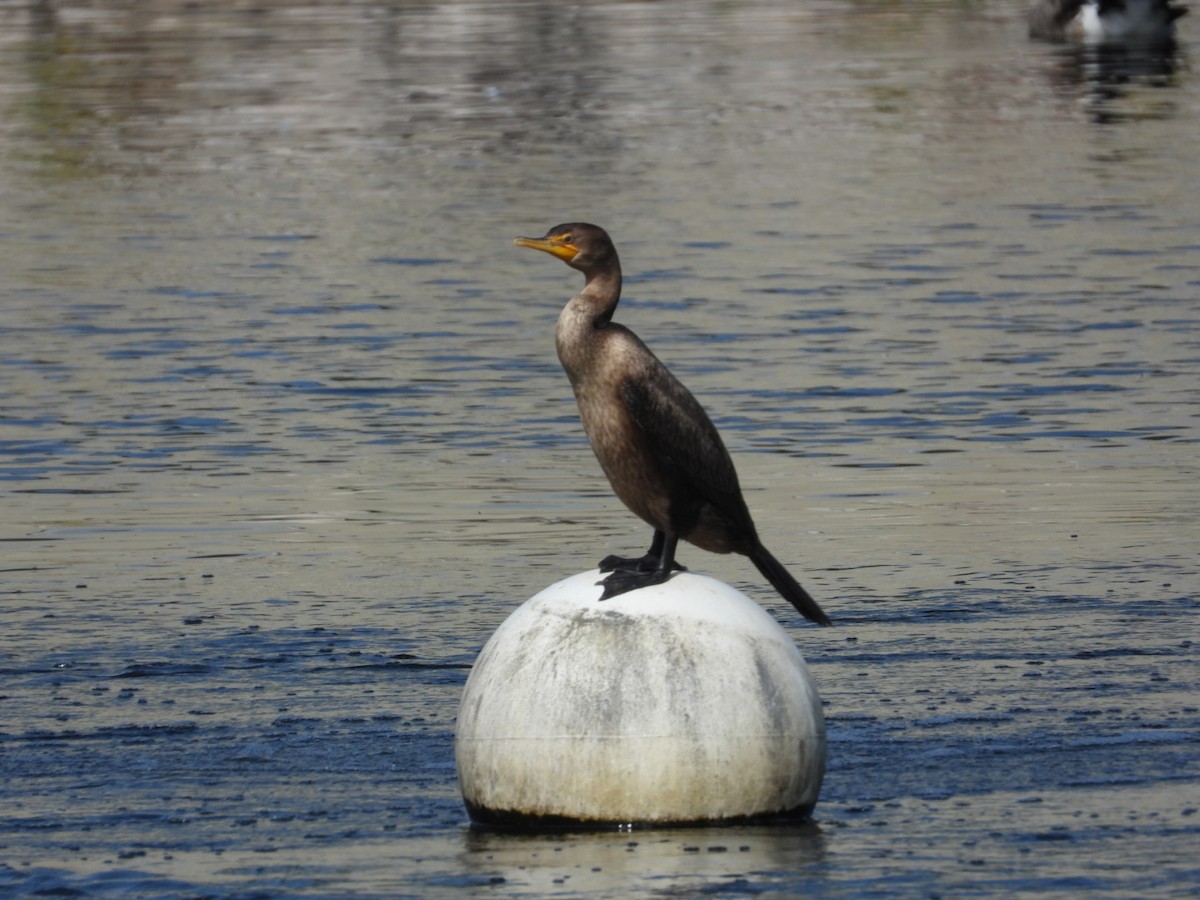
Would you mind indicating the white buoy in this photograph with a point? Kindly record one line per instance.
(680, 703)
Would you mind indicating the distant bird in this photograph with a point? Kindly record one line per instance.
(1104, 21)
(661, 452)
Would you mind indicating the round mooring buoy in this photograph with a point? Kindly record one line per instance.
(681, 703)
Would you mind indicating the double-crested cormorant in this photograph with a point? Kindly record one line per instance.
(656, 444)
(1104, 20)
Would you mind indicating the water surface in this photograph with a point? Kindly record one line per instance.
(283, 438)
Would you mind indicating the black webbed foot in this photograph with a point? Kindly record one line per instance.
(622, 581)
(647, 563)
(661, 555)
(614, 563)
(629, 574)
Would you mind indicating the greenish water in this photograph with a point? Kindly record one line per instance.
(283, 438)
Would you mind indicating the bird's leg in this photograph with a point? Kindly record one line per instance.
(614, 563)
(621, 581)
(646, 563)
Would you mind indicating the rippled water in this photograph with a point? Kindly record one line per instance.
(283, 438)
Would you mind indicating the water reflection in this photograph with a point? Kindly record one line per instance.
(151, 87)
(1119, 83)
(683, 862)
(166, 87)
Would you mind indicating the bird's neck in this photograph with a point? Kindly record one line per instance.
(600, 296)
(587, 314)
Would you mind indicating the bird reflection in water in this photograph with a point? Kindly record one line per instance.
(1109, 48)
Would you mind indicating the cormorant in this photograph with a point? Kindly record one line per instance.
(661, 452)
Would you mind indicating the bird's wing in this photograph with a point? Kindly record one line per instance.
(682, 440)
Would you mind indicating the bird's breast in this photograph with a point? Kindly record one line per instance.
(622, 453)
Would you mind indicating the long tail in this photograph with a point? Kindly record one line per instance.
(783, 582)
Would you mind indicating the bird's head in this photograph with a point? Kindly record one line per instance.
(581, 246)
